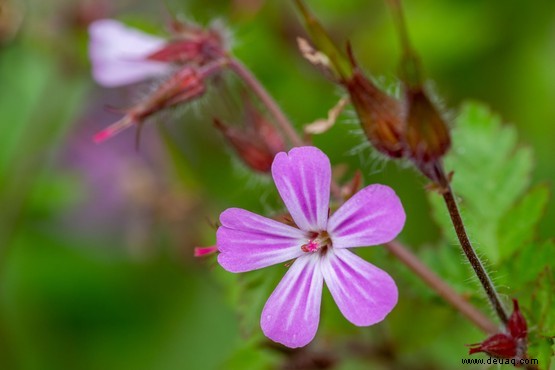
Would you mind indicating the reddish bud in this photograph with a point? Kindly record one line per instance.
(204, 251)
(498, 345)
(379, 114)
(427, 137)
(253, 153)
(257, 142)
(185, 85)
(511, 345)
(517, 323)
(192, 44)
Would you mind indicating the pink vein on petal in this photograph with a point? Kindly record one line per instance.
(248, 241)
(372, 216)
(302, 178)
(292, 313)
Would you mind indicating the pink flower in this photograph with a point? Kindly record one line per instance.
(119, 54)
(319, 245)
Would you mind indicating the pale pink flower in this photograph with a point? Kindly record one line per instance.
(319, 245)
(119, 54)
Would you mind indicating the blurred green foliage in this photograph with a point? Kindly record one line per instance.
(81, 297)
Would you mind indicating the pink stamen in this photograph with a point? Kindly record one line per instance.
(203, 251)
(311, 246)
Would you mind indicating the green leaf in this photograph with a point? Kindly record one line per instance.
(543, 299)
(526, 266)
(542, 351)
(518, 225)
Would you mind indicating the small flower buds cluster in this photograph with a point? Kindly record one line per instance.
(121, 55)
(510, 344)
(257, 142)
(426, 136)
(409, 128)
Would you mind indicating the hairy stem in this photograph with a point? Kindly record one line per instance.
(471, 255)
(440, 287)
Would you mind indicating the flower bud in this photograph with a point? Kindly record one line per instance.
(512, 343)
(192, 45)
(498, 345)
(427, 136)
(379, 114)
(517, 323)
(257, 143)
(185, 85)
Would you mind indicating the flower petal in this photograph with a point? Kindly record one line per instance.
(364, 293)
(248, 241)
(117, 53)
(292, 313)
(372, 216)
(302, 178)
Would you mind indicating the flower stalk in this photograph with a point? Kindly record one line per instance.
(404, 255)
(470, 253)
